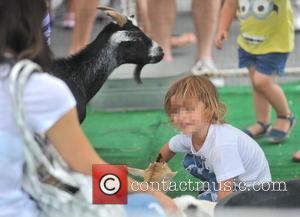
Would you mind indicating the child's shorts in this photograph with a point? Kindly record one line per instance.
(268, 64)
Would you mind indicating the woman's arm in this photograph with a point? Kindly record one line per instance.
(166, 153)
(164, 200)
(72, 144)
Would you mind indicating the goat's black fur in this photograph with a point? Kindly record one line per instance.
(86, 71)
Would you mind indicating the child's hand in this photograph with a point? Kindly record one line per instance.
(220, 37)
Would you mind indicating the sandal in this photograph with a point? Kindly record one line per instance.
(296, 156)
(276, 136)
(265, 128)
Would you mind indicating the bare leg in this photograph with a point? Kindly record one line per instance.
(205, 14)
(142, 15)
(273, 93)
(261, 106)
(84, 20)
(162, 16)
(183, 39)
(69, 15)
(71, 6)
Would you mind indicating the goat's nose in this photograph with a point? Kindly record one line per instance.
(160, 50)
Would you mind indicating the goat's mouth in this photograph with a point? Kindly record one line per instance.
(139, 67)
(156, 58)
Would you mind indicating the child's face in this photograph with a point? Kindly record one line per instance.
(187, 117)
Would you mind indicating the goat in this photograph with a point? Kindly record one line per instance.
(118, 43)
(190, 206)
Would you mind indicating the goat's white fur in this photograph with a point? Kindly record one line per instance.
(204, 208)
(154, 49)
(134, 21)
(120, 36)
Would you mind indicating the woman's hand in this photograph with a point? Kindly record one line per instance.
(167, 203)
(221, 36)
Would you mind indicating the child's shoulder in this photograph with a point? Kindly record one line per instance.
(226, 133)
(180, 137)
(226, 128)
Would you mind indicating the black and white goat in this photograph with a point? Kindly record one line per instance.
(118, 43)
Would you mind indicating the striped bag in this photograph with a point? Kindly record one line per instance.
(57, 190)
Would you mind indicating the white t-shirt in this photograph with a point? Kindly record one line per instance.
(46, 100)
(229, 153)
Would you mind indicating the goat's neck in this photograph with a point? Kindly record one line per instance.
(95, 69)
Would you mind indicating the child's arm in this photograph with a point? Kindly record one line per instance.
(225, 188)
(165, 153)
(228, 12)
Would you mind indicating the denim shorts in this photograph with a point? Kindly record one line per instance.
(268, 64)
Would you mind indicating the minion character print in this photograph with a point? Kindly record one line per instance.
(260, 9)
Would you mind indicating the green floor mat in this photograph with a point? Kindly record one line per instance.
(134, 138)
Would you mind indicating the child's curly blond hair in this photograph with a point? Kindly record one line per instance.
(185, 90)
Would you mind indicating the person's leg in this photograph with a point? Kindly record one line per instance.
(142, 15)
(162, 16)
(183, 39)
(205, 14)
(143, 204)
(261, 106)
(266, 86)
(195, 166)
(85, 14)
(69, 15)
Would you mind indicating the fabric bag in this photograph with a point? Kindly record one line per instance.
(57, 190)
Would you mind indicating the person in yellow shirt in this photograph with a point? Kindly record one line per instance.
(265, 41)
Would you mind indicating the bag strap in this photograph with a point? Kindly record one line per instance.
(33, 150)
(18, 77)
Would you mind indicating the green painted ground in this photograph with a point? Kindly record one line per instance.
(134, 138)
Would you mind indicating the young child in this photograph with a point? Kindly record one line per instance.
(216, 152)
(265, 40)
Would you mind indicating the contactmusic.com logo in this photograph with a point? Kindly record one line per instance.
(109, 184)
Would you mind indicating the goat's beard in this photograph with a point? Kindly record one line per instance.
(137, 73)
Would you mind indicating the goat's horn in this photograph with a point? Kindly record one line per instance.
(119, 18)
(104, 8)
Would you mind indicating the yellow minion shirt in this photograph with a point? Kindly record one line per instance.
(266, 26)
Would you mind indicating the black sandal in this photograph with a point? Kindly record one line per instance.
(276, 136)
(265, 129)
